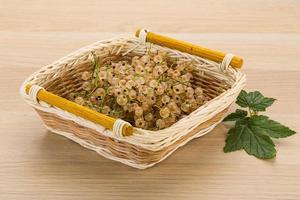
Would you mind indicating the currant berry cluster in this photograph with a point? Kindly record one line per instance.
(152, 91)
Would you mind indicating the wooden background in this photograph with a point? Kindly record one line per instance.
(35, 164)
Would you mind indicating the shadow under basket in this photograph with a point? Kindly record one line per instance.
(221, 84)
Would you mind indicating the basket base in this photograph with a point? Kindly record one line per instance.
(124, 152)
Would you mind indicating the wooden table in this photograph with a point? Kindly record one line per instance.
(35, 164)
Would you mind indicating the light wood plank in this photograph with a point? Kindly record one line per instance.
(191, 16)
(36, 164)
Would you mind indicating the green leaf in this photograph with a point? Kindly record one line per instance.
(237, 115)
(233, 141)
(263, 125)
(242, 99)
(260, 146)
(254, 100)
(254, 143)
(254, 133)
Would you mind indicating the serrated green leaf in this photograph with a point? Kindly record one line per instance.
(233, 141)
(253, 133)
(237, 115)
(263, 125)
(261, 146)
(254, 100)
(243, 137)
(242, 99)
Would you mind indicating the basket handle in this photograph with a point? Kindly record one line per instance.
(111, 123)
(183, 46)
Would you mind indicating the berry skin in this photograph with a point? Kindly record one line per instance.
(130, 84)
(164, 67)
(106, 110)
(150, 65)
(198, 91)
(72, 96)
(122, 100)
(110, 90)
(145, 106)
(120, 71)
(150, 92)
(158, 59)
(165, 85)
(165, 99)
(141, 98)
(140, 123)
(160, 123)
(151, 100)
(122, 82)
(130, 107)
(86, 86)
(194, 104)
(140, 81)
(149, 117)
(125, 90)
(185, 107)
(79, 100)
(114, 81)
(176, 98)
(99, 92)
(190, 68)
(172, 106)
(170, 120)
(132, 94)
(135, 61)
(189, 91)
(164, 112)
(175, 74)
(145, 59)
(159, 90)
(153, 83)
(102, 75)
(180, 66)
(93, 99)
(139, 70)
(185, 78)
(117, 91)
(170, 72)
(199, 100)
(144, 89)
(138, 111)
(86, 75)
(157, 71)
(135, 58)
(178, 89)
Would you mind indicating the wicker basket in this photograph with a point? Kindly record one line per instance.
(115, 139)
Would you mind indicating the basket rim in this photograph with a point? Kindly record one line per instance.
(142, 137)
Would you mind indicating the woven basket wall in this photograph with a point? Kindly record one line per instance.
(144, 148)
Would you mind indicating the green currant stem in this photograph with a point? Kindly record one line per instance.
(252, 113)
(96, 70)
(183, 83)
(91, 92)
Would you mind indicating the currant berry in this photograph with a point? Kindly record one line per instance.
(122, 100)
(86, 86)
(164, 112)
(86, 75)
(79, 100)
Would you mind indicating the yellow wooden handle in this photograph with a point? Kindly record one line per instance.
(81, 111)
(203, 52)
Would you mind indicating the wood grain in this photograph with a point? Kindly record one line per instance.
(36, 164)
(192, 16)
